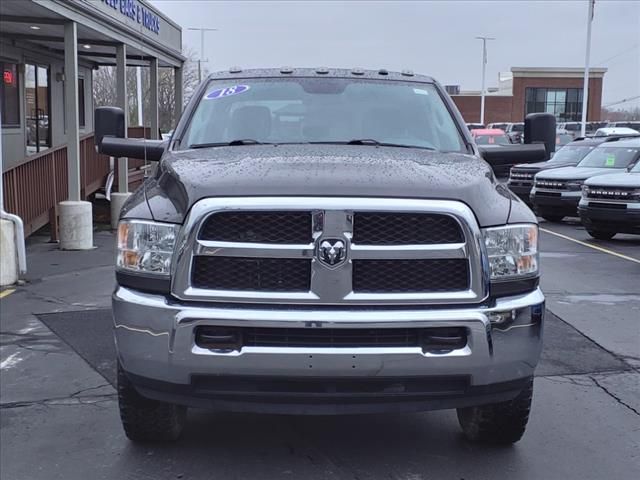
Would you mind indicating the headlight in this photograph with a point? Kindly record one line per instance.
(145, 246)
(512, 251)
(585, 190)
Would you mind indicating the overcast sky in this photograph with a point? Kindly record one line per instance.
(431, 37)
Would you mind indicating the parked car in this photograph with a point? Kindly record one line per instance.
(593, 126)
(490, 136)
(475, 126)
(556, 193)
(604, 132)
(563, 139)
(573, 128)
(521, 175)
(501, 126)
(633, 124)
(366, 261)
(610, 204)
(515, 131)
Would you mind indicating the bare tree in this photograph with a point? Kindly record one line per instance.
(104, 91)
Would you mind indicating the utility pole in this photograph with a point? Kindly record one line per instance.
(202, 59)
(484, 70)
(585, 87)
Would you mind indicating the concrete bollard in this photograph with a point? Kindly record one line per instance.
(8, 254)
(117, 201)
(76, 225)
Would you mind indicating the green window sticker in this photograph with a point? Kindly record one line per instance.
(610, 161)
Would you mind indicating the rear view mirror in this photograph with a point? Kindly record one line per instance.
(109, 122)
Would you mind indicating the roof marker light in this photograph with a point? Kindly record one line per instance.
(235, 69)
(382, 71)
(322, 70)
(286, 70)
(357, 71)
(407, 73)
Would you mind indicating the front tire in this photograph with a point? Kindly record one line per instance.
(146, 420)
(601, 235)
(498, 423)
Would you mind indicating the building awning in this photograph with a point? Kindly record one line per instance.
(102, 24)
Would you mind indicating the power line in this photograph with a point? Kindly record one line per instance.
(618, 54)
(624, 100)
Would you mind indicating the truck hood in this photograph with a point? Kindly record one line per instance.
(184, 177)
(626, 179)
(576, 173)
(539, 166)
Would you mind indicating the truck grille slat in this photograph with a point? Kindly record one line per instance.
(432, 338)
(407, 276)
(405, 229)
(252, 274)
(258, 227)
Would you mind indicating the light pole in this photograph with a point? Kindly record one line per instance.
(585, 87)
(484, 69)
(201, 59)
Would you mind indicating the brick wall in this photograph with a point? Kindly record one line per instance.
(511, 108)
(496, 109)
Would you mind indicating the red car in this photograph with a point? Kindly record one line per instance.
(490, 136)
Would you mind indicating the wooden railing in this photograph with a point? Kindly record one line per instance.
(33, 189)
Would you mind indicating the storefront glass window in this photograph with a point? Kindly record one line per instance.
(38, 108)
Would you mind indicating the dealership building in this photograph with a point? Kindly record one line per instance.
(526, 90)
(49, 51)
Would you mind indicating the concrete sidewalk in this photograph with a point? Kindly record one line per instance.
(60, 419)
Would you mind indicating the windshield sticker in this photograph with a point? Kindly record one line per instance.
(226, 92)
(420, 91)
(610, 160)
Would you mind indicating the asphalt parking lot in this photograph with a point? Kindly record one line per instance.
(59, 413)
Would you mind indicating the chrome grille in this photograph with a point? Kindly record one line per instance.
(521, 177)
(383, 260)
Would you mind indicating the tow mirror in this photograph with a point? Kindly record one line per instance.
(541, 128)
(109, 138)
(109, 122)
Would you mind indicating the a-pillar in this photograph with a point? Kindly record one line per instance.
(76, 216)
(118, 198)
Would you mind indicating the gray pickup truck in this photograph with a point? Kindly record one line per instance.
(320, 241)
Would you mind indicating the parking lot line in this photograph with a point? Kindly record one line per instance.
(595, 247)
(7, 292)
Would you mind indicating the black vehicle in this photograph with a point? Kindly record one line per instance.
(556, 193)
(610, 204)
(521, 175)
(321, 242)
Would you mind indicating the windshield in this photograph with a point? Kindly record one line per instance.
(492, 139)
(571, 153)
(636, 168)
(610, 157)
(517, 127)
(322, 110)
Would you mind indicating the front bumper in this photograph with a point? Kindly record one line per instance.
(156, 347)
(522, 190)
(595, 215)
(556, 202)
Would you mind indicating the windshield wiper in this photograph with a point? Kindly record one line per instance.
(232, 143)
(373, 142)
